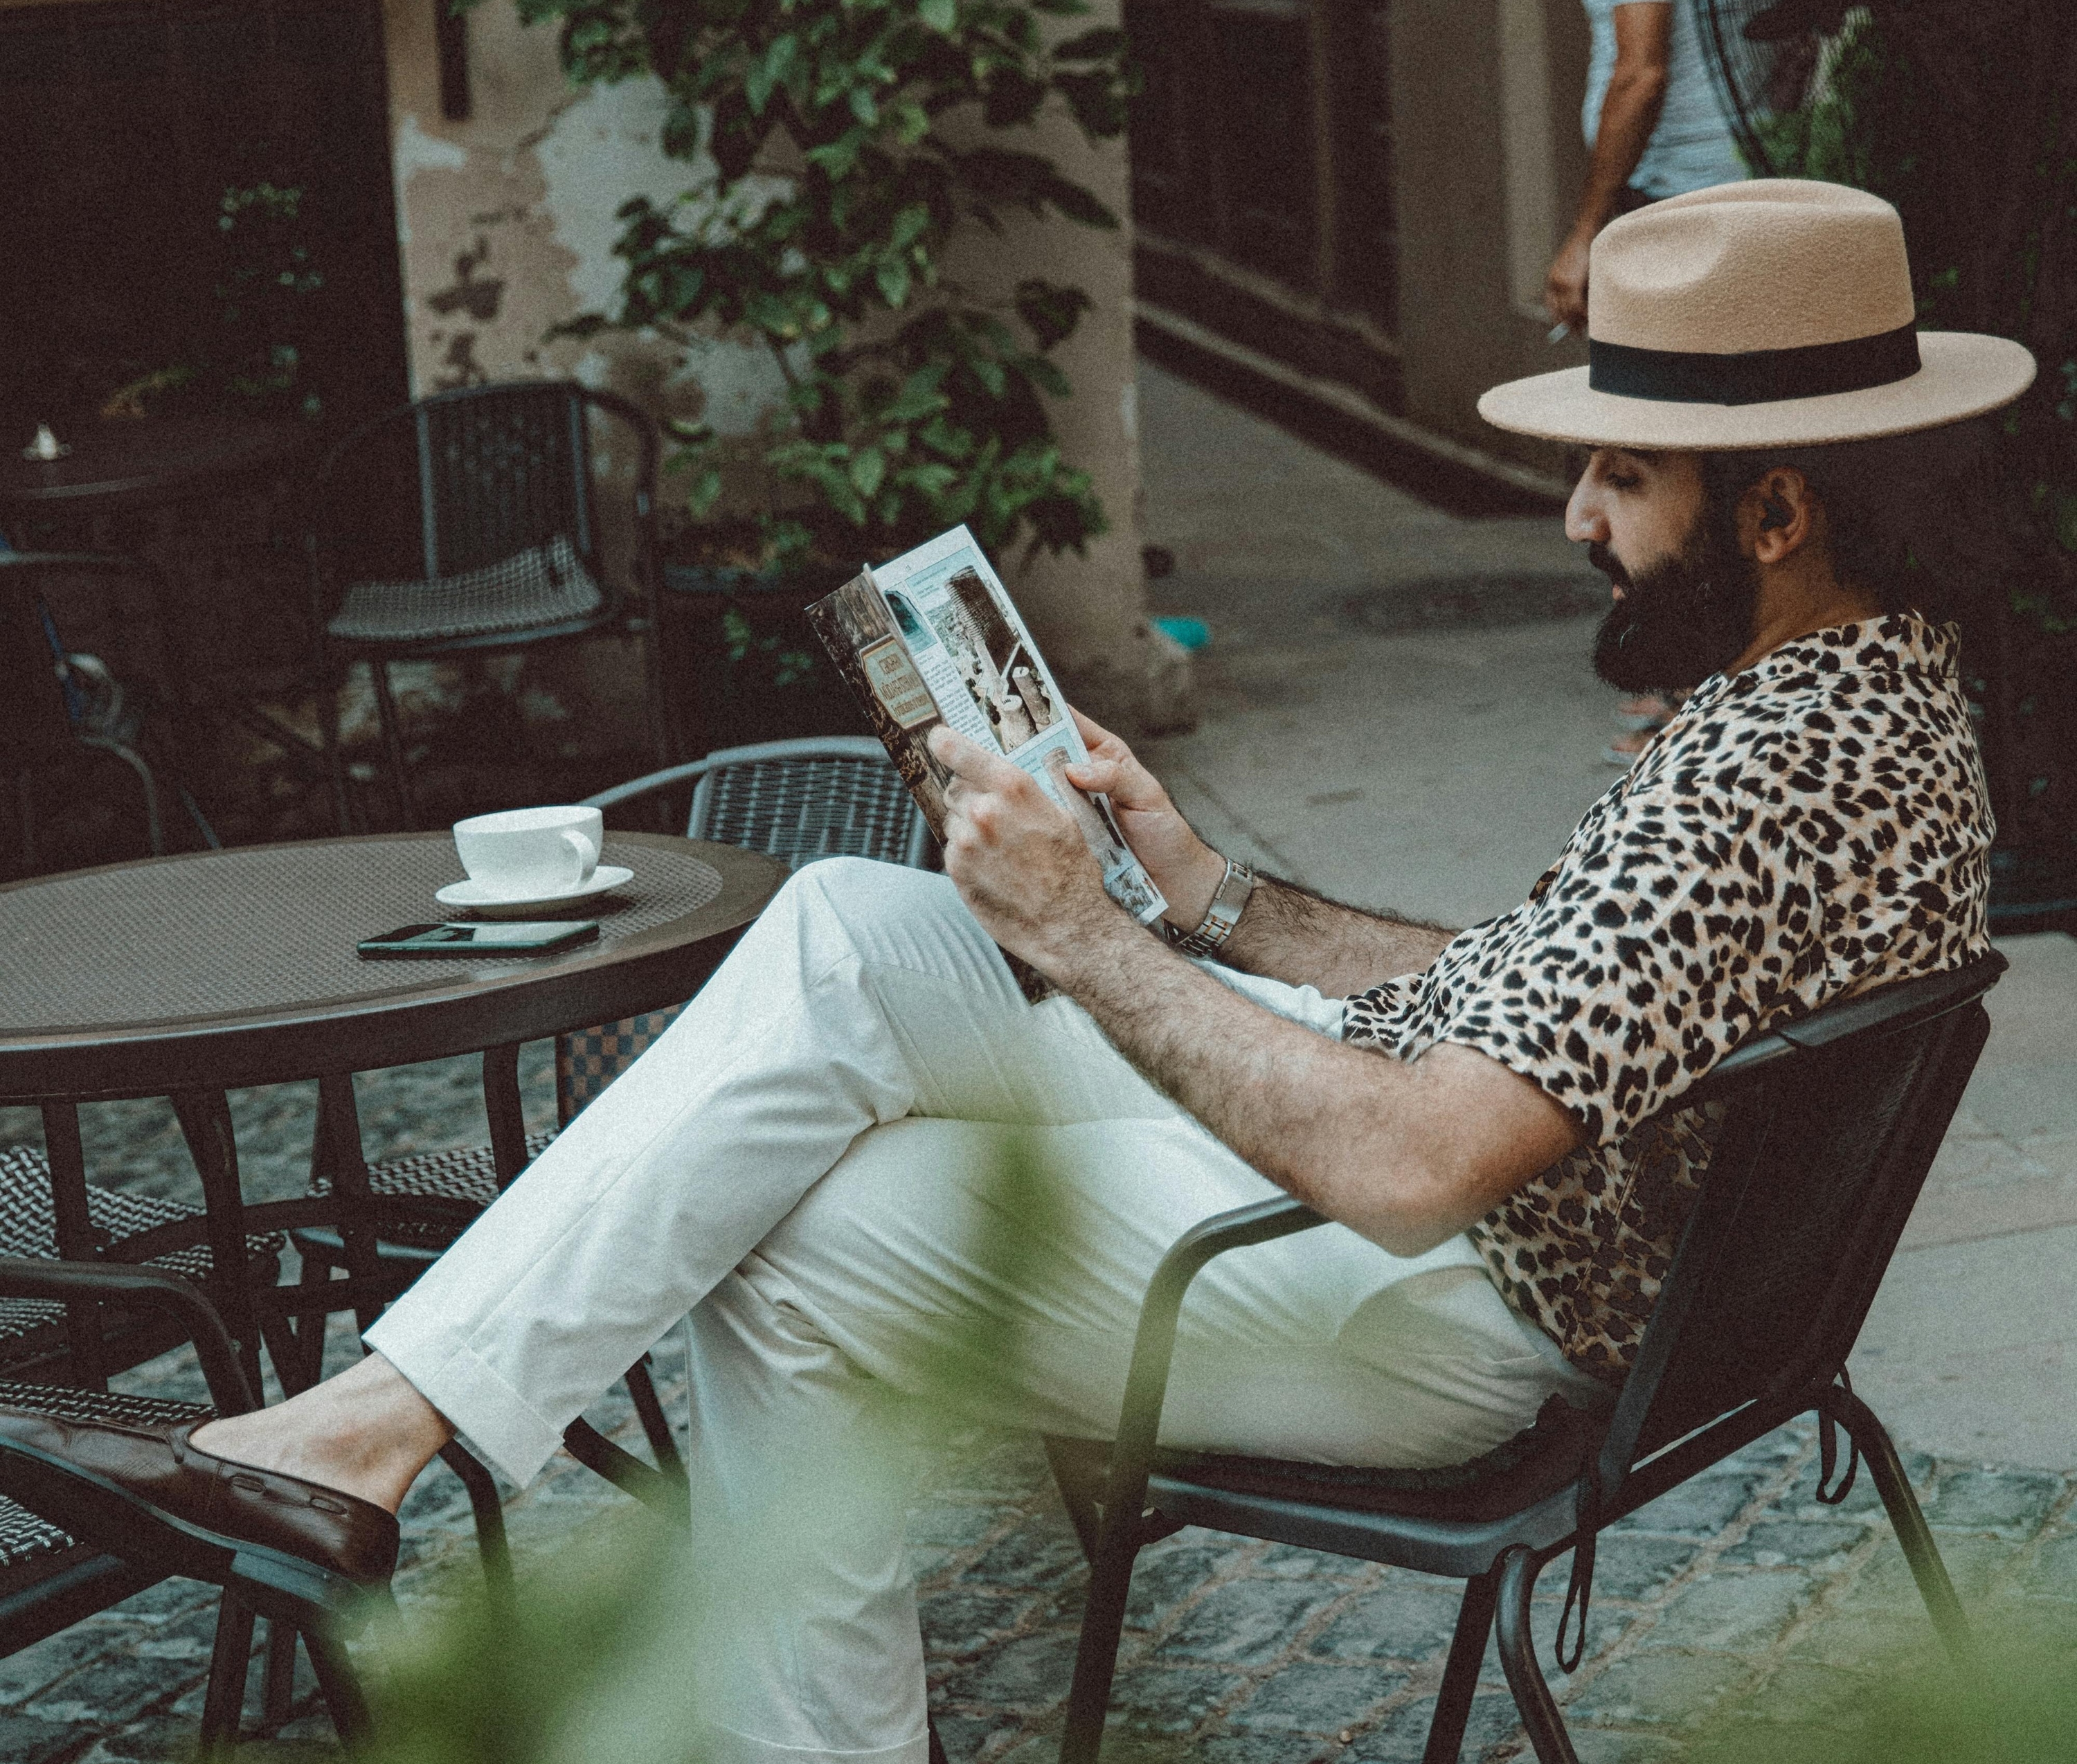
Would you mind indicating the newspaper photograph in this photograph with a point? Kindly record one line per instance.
(934, 637)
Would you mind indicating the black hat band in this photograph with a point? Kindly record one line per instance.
(1756, 376)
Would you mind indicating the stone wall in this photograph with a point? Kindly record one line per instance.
(1485, 105)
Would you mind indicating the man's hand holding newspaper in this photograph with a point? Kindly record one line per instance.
(1185, 868)
(931, 642)
(1020, 863)
(1024, 868)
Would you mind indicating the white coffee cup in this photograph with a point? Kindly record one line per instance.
(520, 853)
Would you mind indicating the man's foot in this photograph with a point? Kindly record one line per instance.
(150, 1495)
(1626, 750)
(367, 1433)
(1646, 710)
(1640, 718)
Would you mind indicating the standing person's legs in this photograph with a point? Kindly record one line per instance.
(865, 992)
(1000, 1271)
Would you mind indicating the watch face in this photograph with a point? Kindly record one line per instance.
(1234, 890)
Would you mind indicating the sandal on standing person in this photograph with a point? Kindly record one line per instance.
(1640, 718)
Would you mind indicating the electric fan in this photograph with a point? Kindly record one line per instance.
(1962, 115)
(1766, 57)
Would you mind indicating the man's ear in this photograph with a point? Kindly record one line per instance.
(1778, 515)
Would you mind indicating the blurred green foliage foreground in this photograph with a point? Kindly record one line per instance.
(621, 1637)
(614, 1645)
(594, 1661)
(2017, 1705)
(600, 1662)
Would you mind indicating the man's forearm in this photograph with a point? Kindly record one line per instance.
(1290, 933)
(1290, 1102)
(1406, 1154)
(1629, 113)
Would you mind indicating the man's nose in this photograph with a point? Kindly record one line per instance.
(1586, 520)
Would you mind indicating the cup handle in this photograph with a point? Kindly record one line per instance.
(586, 854)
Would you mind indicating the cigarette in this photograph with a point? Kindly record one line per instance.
(1558, 334)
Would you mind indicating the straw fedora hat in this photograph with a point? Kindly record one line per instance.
(1775, 312)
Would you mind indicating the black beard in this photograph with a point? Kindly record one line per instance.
(1681, 621)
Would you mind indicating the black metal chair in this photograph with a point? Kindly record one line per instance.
(817, 797)
(63, 705)
(81, 1300)
(306, 1603)
(1828, 1127)
(472, 522)
(62, 1336)
(48, 1217)
(52, 1574)
(822, 796)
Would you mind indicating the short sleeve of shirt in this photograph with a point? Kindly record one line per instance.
(1813, 825)
(1649, 953)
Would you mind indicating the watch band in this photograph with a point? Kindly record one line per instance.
(1228, 902)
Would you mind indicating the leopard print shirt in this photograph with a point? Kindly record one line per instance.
(1813, 827)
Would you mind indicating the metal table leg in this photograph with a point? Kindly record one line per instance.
(67, 1155)
(339, 1122)
(508, 1121)
(205, 1118)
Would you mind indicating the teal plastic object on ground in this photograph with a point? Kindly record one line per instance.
(1191, 633)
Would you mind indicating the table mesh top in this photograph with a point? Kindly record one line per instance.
(264, 930)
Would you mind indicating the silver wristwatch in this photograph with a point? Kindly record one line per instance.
(1223, 914)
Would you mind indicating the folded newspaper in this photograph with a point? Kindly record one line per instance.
(934, 637)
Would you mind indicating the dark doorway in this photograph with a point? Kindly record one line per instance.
(196, 204)
(1262, 179)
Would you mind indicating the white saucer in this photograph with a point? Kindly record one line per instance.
(493, 905)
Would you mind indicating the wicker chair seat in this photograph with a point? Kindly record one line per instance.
(30, 1547)
(433, 1196)
(28, 1227)
(544, 585)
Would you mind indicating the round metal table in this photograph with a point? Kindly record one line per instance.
(187, 976)
(162, 488)
(132, 463)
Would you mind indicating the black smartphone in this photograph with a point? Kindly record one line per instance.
(506, 937)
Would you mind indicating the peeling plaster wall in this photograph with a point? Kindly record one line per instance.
(507, 225)
(507, 222)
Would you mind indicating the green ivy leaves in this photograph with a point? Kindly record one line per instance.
(916, 403)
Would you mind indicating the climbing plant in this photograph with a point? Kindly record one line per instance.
(1963, 113)
(249, 344)
(263, 292)
(836, 148)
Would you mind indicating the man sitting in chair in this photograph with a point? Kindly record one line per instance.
(803, 1165)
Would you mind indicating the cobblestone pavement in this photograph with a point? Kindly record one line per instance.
(1735, 1596)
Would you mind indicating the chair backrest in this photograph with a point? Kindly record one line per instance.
(1828, 1127)
(38, 723)
(818, 797)
(467, 479)
(837, 796)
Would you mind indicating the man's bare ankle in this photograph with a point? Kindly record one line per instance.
(366, 1432)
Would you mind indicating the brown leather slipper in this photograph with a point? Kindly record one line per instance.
(147, 1495)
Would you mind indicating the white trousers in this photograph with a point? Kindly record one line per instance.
(861, 1164)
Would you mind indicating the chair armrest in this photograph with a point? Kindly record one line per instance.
(1153, 1344)
(647, 439)
(646, 784)
(73, 1282)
